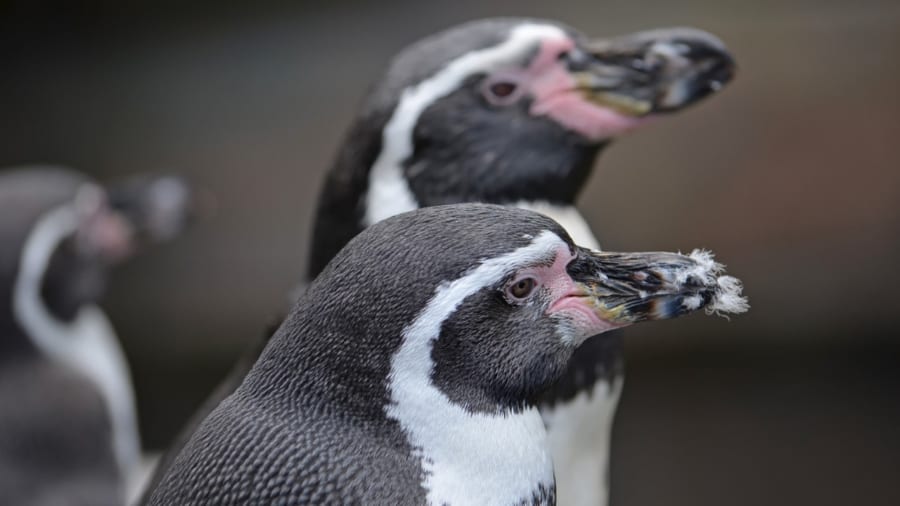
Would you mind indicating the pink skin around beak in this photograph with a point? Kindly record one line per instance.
(604, 88)
(556, 95)
(569, 300)
(101, 229)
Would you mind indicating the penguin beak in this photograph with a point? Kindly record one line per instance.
(650, 72)
(157, 207)
(626, 288)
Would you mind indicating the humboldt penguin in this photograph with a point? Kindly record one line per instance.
(411, 370)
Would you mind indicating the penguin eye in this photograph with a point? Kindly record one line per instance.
(521, 288)
(503, 89)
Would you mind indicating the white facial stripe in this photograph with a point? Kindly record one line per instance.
(389, 194)
(467, 457)
(88, 344)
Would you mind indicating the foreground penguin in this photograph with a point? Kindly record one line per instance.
(68, 428)
(409, 371)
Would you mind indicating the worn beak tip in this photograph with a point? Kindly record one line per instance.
(723, 294)
(728, 298)
(633, 287)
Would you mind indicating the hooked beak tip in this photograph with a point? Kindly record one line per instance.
(658, 71)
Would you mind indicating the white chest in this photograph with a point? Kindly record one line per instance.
(480, 459)
(579, 437)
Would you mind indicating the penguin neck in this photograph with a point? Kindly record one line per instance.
(355, 197)
(465, 456)
(392, 189)
(86, 344)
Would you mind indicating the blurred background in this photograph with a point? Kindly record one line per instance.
(791, 175)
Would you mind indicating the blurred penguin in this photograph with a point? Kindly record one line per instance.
(68, 426)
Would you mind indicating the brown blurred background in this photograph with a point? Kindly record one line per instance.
(791, 175)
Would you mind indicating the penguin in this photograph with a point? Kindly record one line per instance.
(410, 370)
(506, 111)
(68, 427)
(515, 112)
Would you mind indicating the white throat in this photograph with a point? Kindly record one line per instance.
(88, 344)
(389, 193)
(579, 433)
(468, 458)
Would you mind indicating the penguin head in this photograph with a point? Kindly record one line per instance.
(157, 206)
(500, 110)
(62, 232)
(486, 303)
(504, 111)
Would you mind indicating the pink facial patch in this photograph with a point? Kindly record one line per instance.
(110, 234)
(101, 229)
(568, 297)
(556, 96)
(576, 308)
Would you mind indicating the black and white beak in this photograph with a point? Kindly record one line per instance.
(649, 72)
(618, 289)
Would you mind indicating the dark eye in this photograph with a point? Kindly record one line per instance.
(521, 288)
(503, 89)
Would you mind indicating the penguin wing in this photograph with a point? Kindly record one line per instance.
(55, 438)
